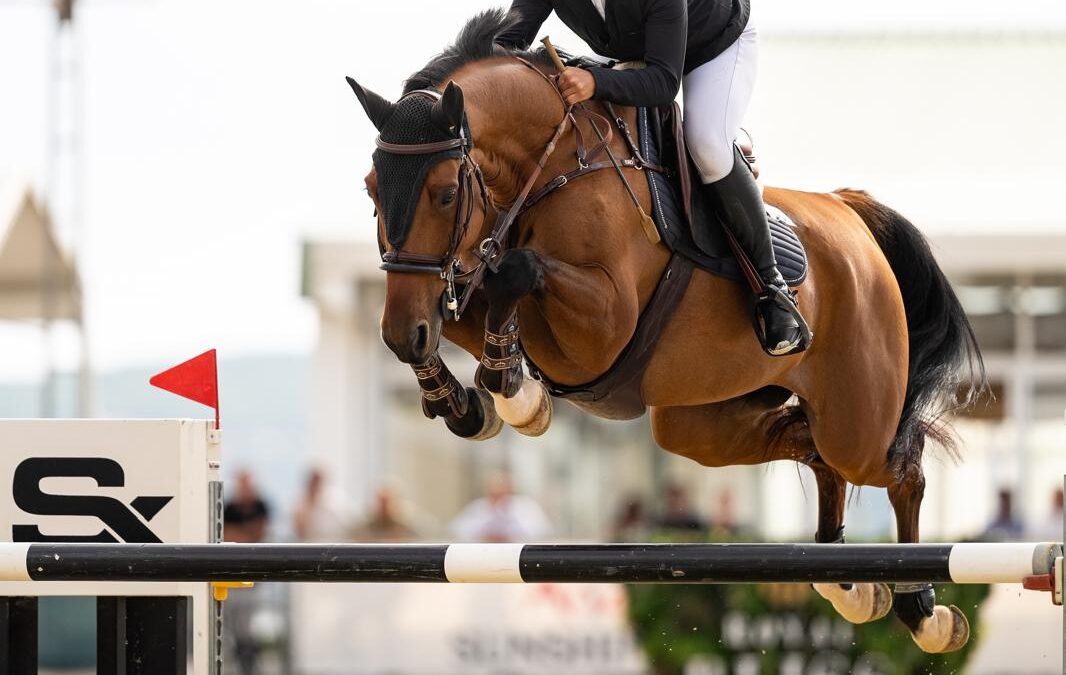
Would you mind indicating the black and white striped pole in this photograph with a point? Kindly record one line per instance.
(1032, 564)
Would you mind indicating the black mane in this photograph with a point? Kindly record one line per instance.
(475, 42)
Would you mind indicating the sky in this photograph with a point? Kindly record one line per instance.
(221, 134)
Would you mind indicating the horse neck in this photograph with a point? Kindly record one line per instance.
(513, 114)
(587, 235)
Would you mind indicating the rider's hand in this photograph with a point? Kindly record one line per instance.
(576, 85)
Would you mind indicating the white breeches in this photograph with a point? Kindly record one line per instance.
(716, 96)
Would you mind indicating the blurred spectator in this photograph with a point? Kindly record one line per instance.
(724, 525)
(631, 523)
(385, 523)
(245, 518)
(1050, 529)
(501, 516)
(317, 517)
(246, 515)
(1005, 526)
(677, 515)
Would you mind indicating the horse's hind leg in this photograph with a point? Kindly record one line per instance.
(858, 603)
(935, 628)
(757, 428)
(745, 430)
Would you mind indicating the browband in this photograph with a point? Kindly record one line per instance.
(421, 148)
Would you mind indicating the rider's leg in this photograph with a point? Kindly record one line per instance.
(740, 201)
(716, 96)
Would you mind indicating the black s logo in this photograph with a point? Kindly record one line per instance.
(26, 490)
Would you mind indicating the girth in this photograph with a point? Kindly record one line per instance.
(617, 393)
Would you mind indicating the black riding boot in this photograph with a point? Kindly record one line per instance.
(778, 322)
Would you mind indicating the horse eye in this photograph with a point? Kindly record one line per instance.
(447, 197)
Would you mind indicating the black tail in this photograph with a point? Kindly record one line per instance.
(946, 371)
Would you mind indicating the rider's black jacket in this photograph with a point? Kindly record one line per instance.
(672, 37)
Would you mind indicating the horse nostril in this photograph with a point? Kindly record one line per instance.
(421, 339)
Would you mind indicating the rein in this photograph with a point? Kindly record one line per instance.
(493, 245)
(448, 266)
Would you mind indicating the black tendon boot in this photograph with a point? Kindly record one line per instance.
(778, 323)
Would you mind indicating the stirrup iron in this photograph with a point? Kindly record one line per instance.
(783, 298)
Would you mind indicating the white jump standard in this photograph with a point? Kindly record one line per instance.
(980, 563)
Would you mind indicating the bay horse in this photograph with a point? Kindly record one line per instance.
(468, 258)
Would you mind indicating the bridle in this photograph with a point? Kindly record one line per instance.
(447, 266)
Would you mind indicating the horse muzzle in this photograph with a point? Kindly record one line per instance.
(413, 343)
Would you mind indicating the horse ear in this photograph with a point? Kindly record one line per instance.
(448, 111)
(377, 109)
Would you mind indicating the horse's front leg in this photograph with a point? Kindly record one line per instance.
(467, 412)
(521, 402)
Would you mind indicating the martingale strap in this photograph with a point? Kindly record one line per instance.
(623, 126)
(494, 244)
(564, 179)
(583, 156)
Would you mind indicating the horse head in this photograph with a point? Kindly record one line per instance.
(431, 202)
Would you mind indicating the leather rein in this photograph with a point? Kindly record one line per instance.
(448, 266)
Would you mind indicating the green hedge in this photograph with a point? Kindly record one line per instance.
(780, 628)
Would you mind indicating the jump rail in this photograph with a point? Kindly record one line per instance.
(531, 563)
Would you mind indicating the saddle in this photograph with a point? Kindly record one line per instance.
(677, 207)
(676, 204)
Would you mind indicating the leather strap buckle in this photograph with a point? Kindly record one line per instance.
(488, 249)
(506, 363)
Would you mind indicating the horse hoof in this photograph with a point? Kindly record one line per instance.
(947, 630)
(543, 417)
(529, 411)
(862, 603)
(492, 424)
(483, 410)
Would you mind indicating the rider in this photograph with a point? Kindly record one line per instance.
(710, 47)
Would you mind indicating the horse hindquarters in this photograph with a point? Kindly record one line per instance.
(941, 347)
(857, 395)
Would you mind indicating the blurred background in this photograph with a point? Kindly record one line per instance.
(182, 175)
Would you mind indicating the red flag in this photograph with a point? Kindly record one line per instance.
(196, 379)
